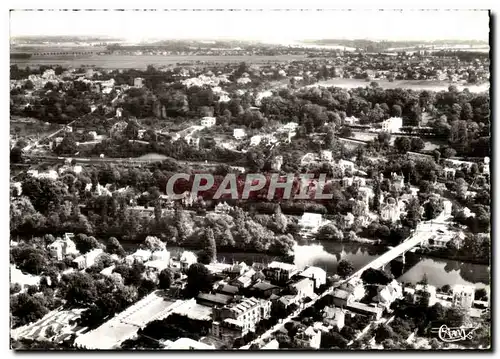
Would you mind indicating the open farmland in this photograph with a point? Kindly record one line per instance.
(142, 61)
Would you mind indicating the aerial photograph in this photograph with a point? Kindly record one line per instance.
(215, 180)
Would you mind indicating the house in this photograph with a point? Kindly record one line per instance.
(239, 133)
(421, 291)
(390, 211)
(264, 289)
(227, 289)
(346, 166)
(333, 316)
(304, 288)
(208, 121)
(311, 221)
(140, 255)
(217, 267)
(308, 159)
(255, 140)
(187, 258)
(341, 297)
(277, 163)
(88, 259)
(212, 300)
(317, 274)
(238, 318)
(366, 309)
(348, 220)
(463, 296)
(308, 338)
(349, 292)
(387, 294)
(351, 120)
(62, 247)
(486, 166)
(138, 82)
(392, 125)
(326, 155)
(245, 280)
(289, 127)
(119, 112)
(398, 181)
(280, 272)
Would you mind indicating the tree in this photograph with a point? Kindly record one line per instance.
(165, 279)
(210, 246)
(376, 276)
(329, 232)
(154, 244)
(43, 193)
(432, 208)
(417, 144)
(67, 146)
(345, 132)
(402, 144)
(114, 247)
(481, 294)
(345, 268)
(396, 111)
(16, 155)
(199, 280)
(85, 243)
(80, 290)
(384, 332)
(26, 309)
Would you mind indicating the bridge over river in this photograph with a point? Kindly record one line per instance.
(419, 235)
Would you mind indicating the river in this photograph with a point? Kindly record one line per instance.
(326, 255)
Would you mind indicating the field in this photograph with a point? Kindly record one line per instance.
(417, 85)
(141, 62)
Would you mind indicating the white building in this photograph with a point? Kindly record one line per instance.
(311, 221)
(88, 259)
(486, 166)
(138, 82)
(309, 338)
(141, 255)
(239, 133)
(289, 127)
(317, 274)
(187, 258)
(388, 294)
(62, 247)
(346, 165)
(255, 140)
(392, 125)
(463, 296)
(390, 211)
(350, 120)
(208, 121)
(326, 155)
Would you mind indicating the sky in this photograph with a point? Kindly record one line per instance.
(270, 26)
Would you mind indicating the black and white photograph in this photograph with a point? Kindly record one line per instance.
(230, 179)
